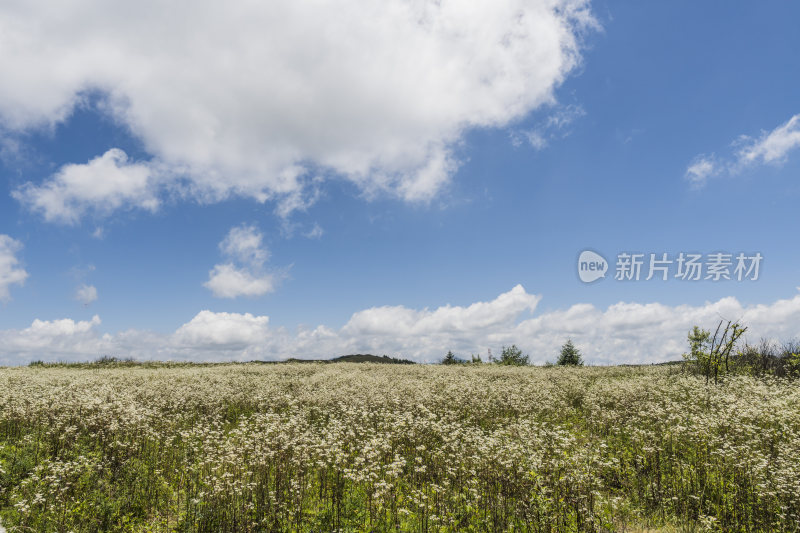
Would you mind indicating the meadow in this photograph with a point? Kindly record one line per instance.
(368, 447)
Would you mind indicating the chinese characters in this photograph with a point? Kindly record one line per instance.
(716, 266)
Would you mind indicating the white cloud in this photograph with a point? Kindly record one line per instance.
(60, 328)
(63, 339)
(400, 321)
(243, 245)
(229, 281)
(700, 170)
(86, 294)
(250, 98)
(103, 185)
(772, 147)
(10, 271)
(210, 330)
(623, 333)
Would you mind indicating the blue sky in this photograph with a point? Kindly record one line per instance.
(402, 179)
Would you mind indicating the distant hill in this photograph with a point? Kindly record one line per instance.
(369, 358)
(111, 361)
(356, 358)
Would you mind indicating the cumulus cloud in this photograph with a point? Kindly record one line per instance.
(400, 321)
(210, 330)
(10, 271)
(60, 328)
(245, 244)
(86, 294)
(625, 332)
(63, 339)
(772, 147)
(245, 274)
(103, 185)
(229, 281)
(251, 98)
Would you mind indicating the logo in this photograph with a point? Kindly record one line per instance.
(591, 266)
(665, 266)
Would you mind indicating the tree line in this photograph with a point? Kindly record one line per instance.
(513, 356)
(711, 355)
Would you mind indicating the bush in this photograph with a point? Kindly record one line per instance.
(711, 355)
(768, 358)
(714, 355)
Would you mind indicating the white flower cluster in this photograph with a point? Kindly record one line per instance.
(341, 447)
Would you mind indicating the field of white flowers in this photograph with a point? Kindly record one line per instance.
(363, 447)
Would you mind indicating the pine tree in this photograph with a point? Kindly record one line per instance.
(570, 355)
(451, 359)
(513, 356)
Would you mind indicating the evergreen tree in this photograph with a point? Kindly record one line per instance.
(451, 359)
(513, 356)
(570, 355)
